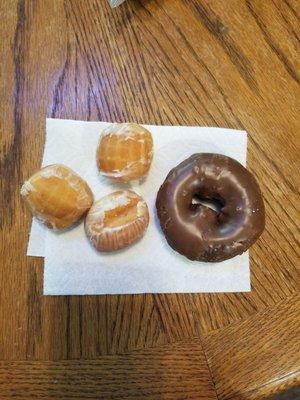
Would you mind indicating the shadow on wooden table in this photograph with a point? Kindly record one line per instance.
(290, 394)
(268, 393)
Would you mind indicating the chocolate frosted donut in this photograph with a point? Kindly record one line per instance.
(199, 232)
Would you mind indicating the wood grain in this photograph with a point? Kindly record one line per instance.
(261, 351)
(193, 62)
(170, 372)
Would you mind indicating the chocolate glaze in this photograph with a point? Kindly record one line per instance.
(197, 231)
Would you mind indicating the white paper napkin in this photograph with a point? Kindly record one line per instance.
(72, 266)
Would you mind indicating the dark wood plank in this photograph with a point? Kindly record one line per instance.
(254, 357)
(170, 372)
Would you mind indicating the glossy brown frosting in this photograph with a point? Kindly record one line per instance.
(199, 232)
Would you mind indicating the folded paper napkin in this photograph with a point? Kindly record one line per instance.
(115, 3)
(72, 266)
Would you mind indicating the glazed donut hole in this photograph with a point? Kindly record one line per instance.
(124, 152)
(117, 220)
(57, 196)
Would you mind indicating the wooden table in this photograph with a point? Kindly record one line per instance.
(192, 62)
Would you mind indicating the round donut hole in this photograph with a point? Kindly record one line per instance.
(212, 203)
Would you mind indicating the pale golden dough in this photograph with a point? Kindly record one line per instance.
(57, 196)
(117, 220)
(125, 152)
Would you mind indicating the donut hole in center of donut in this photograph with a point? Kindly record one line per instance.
(209, 202)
